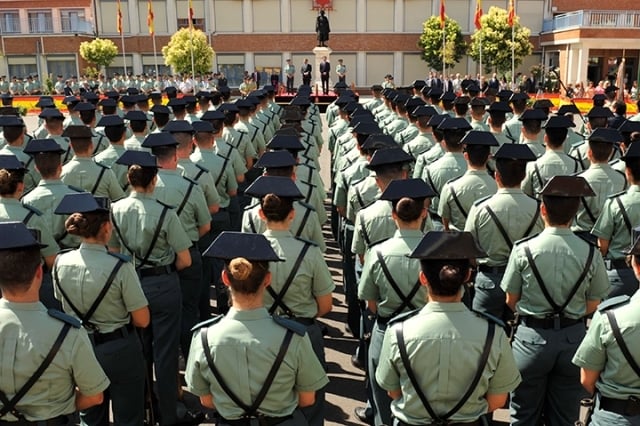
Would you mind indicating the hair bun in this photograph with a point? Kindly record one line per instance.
(240, 268)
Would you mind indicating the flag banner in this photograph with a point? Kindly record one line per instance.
(442, 14)
(321, 4)
(512, 13)
(478, 16)
(119, 17)
(150, 18)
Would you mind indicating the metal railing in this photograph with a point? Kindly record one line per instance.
(75, 24)
(9, 23)
(593, 19)
(40, 24)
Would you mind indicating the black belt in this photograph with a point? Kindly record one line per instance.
(56, 421)
(100, 338)
(264, 420)
(474, 423)
(304, 321)
(551, 322)
(156, 270)
(616, 264)
(624, 407)
(492, 269)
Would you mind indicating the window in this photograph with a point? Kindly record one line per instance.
(63, 65)
(72, 20)
(198, 24)
(9, 22)
(40, 21)
(233, 73)
(22, 66)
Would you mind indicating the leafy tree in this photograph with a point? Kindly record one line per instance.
(431, 43)
(495, 36)
(99, 51)
(177, 53)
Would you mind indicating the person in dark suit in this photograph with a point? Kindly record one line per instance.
(256, 77)
(305, 69)
(325, 70)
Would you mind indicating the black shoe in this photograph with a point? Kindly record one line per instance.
(361, 414)
(356, 362)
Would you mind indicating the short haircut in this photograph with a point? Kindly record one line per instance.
(560, 210)
(14, 279)
(138, 126)
(512, 172)
(601, 151)
(556, 136)
(47, 163)
(114, 133)
(478, 154)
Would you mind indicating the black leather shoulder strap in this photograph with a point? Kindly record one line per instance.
(406, 300)
(278, 298)
(621, 343)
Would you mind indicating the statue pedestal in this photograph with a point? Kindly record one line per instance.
(319, 52)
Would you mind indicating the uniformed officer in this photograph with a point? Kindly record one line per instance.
(619, 215)
(114, 130)
(554, 161)
(83, 172)
(597, 118)
(387, 292)
(608, 355)
(49, 369)
(530, 132)
(277, 372)
(302, 285)
(103, 291)
(496, 222)
(467, 369)
(423, 140)
(53, 122)
(14, 131)
(459, 194)
(553, 280)
(513, 126)
(150, 232)
(436, 151)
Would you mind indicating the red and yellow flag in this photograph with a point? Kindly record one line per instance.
(150, 18)
(512, 13)
(191, 14)
(119, 17)
(476, 19)
(442, 14)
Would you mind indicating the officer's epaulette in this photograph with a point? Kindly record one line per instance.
(191, 181)
(32, 209)
(354, 183)
(75, 188)
(489, 317)
(207, 323)
(251, 206)
(290, 324)
(304, 240)
(587, 238)
(402, 317)
(306, 205)
(525, 239)
(312, 185)
(63, 251)
(482, 200)
(165, 204)
(120, 256)
(104, 166)
(454, 179)
(375, 243)
(617, 194)
(577, 144)
(613, 162)
(204, 169)
(614, 302)
(59, 315)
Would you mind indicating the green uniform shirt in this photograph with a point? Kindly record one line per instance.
(137, 217)
(12, 210)
(515, 210)
(172, 189)
(134, 143)
(225, 150)
(32, 177)
(560, 256)
(346, 177)
(85, 172)
(512, 128)
(604, 181)
(27, 334)
(374, 284)
(239, 139)
(444, 342)
(82, 274)
(599, 351)
(420, 144)
(362, 194)
(108, 158)
(221, 171)
(311, 280)
(407, 134)
(451, 165)
(203, 178)
(471, 186)
(611, 224)
(243, 346)
(550, 164)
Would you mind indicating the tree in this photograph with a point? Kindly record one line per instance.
(177, 53)
(431, 43)
(99, 51)
(495, 36)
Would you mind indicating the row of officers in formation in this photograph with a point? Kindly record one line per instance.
(490, 222)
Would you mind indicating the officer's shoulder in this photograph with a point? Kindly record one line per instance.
(101, 165)
(355, 182)
(377, 243)
(617, 194)
(199, 166)
(251, 206)
(61, 316)
(482, 200)
(584, 237)
(207, 323)
(614, 302)
(403, 317)
(305, 241)
(191, 181)
(575, 145)
(290, 324)
(489, 318)
(163, 204)
(120, 256)
(32, 209)
(530, 237)
(306, 205)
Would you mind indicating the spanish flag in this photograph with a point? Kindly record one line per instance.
(119, 17)
(512, 13)
(150, 18)
(442, 15)
(191, 14)
(478, 16)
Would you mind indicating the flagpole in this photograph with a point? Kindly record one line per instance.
(481, 73)
(444, 49)
(193, 67)
(155, 54)
(513, 59)
(124, 55)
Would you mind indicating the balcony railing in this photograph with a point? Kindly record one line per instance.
(593, 19)
(9, 23)
(75, 24)
(40, 25)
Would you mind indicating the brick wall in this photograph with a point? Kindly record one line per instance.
(571, 5)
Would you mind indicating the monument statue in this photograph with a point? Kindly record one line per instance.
(322, 29)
